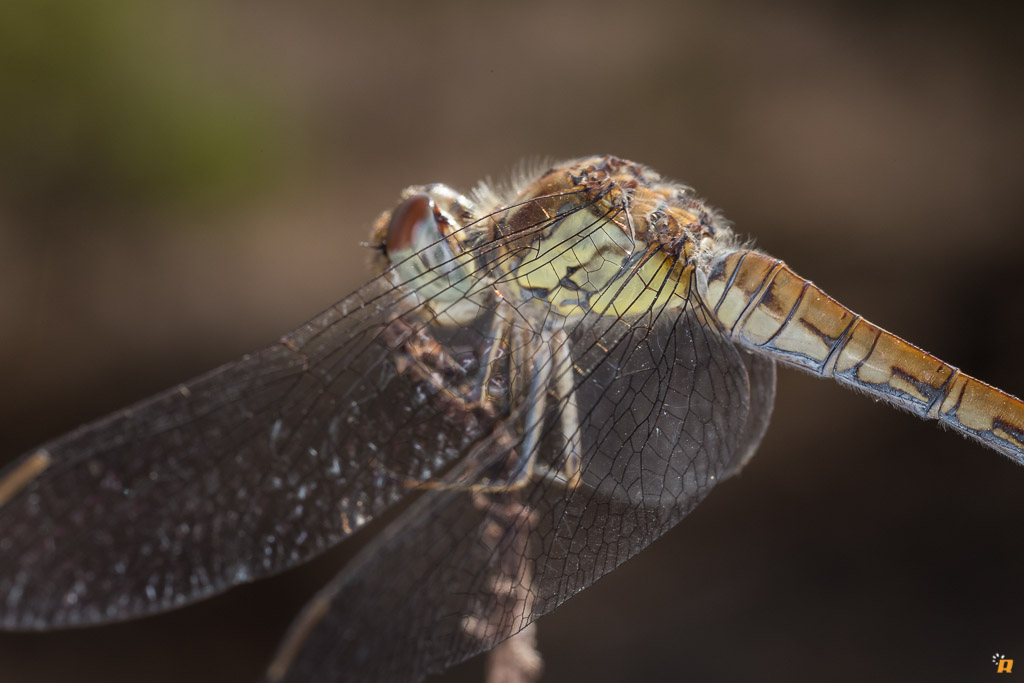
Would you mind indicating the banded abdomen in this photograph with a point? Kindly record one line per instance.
(765, 306)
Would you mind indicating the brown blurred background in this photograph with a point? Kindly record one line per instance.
(181, 183)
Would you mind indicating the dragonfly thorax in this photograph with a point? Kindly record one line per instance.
(599, 235)
(603, 236)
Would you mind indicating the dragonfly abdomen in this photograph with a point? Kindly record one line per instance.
(765, 306)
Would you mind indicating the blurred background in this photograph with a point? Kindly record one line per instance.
(182, 182)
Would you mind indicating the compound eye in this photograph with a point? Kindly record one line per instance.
(412, 226)
(428, 261)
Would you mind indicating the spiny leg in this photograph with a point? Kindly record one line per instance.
(572, 468)
(504, 439)
(536, 404)
(497, 335)
(554, 357)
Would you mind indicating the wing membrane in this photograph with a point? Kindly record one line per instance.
(666, 411)
(241, 473)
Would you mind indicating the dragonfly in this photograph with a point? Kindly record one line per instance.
(547, 377)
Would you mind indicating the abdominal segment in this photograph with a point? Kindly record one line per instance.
(767, 307)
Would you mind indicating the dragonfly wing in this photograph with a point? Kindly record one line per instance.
(761, 380)
(239, 474)
(665, 411)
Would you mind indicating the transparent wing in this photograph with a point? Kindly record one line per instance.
(241, 473)
(666, 410)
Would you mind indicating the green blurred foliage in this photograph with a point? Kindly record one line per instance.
(108, 103)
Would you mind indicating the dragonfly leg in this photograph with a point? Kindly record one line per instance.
(571, 470)
(569, 415)
(536, 403)
(521, 453)
(552, 362)
(419, 354)
(560, 364)
(496, 336)
(416, 352)
(529, 446)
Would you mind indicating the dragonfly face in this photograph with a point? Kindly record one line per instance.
(427, 249)
(562, 374)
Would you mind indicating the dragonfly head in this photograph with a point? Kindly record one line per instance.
(425, 244)
(429, 219)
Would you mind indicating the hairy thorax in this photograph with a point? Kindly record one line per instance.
(599, 235)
